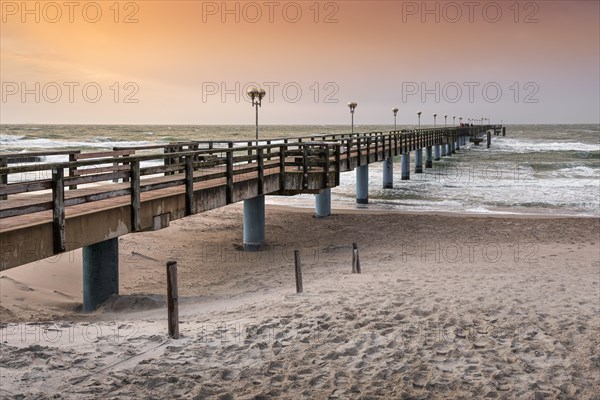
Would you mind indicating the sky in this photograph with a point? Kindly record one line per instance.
(190, 62)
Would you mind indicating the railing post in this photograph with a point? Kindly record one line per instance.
(3, 177)
(261, 170)
(349, 144)
(326, 167)
(58, 210)
(189, 185)
(338, 164)
(368, 149)
(229, 187)
(72, 170)
(135, 196)
(305, 166)
(282, 167)
(359, 150)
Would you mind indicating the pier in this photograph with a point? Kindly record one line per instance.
(92, 199)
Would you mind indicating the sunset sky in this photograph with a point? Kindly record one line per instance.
(168, 62)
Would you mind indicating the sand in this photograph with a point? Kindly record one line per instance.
(447, 306)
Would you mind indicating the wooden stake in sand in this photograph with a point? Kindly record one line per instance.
(172, 300)
(298, 262)
(355, 259)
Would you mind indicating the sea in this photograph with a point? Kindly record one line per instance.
(534, 169)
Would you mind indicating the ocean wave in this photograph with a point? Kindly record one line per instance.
(19, 143)
(522, 146)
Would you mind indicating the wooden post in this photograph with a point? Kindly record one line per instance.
(326, 167)
(305, 166)
(355, 259)
(172, 300)
(72, 170)
(282, 167)
(298, 262)
(3, 177)
(135, 196)
(261, 170)
(58, 209)
(229, 188)
(189, 185)
(338, 163)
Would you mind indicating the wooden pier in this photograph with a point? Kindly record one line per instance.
(50, 208)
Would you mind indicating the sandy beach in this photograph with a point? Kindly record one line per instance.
(447, 306)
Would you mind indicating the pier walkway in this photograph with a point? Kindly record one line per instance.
(92, 199)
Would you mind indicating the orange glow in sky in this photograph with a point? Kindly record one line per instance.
(188, 62)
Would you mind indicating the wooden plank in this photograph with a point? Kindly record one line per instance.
(189, 186)
(25, 187)
(58, 210)
(135, 196)
(172, 300)
(102, 154)
(25, 209)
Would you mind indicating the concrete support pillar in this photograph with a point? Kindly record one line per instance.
(457, 144)
(419, 161)
(489, 139)
(362, 184)
(443, 149)
(429, 157)
(323, 203)
(100, 273)
(453, 147)
(449, 149)
(436, 152)
(388, 173)
(254, 223)
(405, 166)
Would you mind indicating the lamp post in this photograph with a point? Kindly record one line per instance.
(454, 120)
(352, 105)
(419, 115)
(445, 121)
(256, 95)
(434, 120)
(460, 120)
(395, 111)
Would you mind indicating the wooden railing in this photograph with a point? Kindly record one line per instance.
(120, 173)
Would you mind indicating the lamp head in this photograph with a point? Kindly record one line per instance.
(419, 113)
(395, 110)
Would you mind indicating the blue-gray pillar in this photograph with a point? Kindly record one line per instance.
(443, 149)
(406, 166)
(254, 223)
(429, 157)
(436, 152)
(419, 161)
(453, 144)
(388, 173)
(362, 184)
(448, 149)
(323, 203)
(100, 273)
(457, 143)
